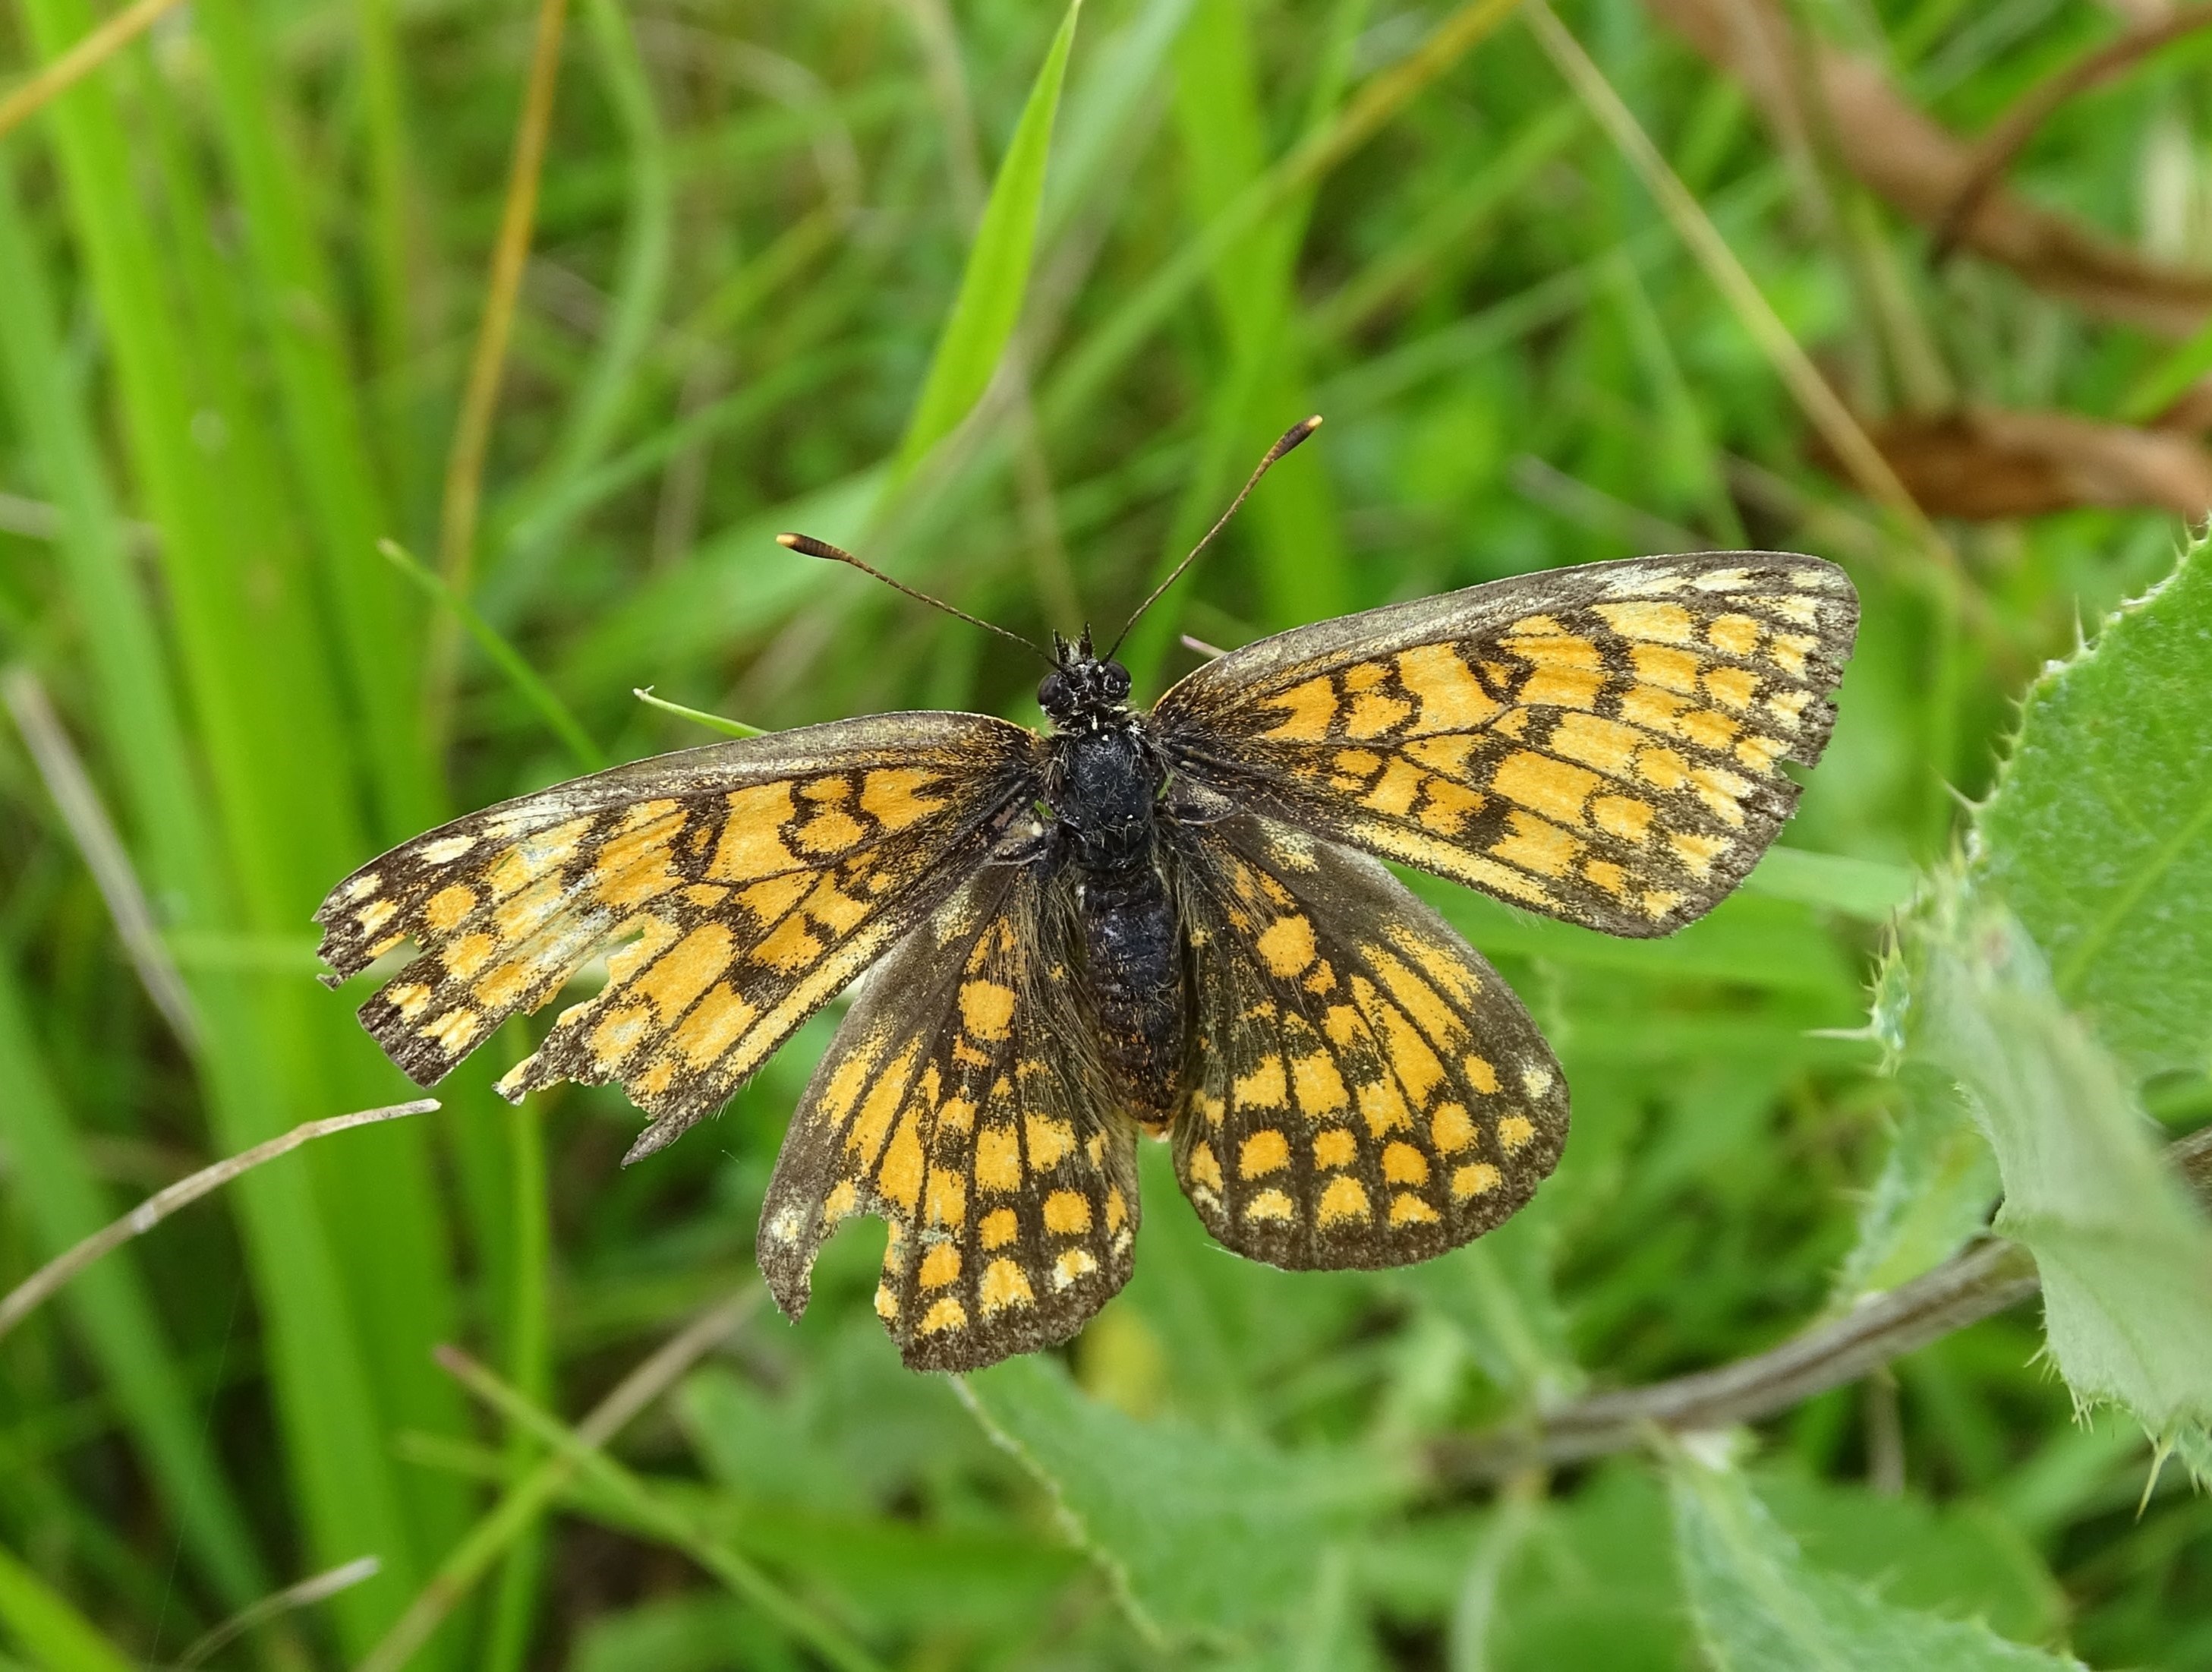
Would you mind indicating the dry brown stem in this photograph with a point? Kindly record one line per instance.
(1921, 167)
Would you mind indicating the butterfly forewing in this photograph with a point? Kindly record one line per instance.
(738, 888)
(1602, 744)
(962, 1103)
(1363, 1090)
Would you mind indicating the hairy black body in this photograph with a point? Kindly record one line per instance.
(1102, 790)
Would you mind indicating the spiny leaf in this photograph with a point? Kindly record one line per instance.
(2099, 837)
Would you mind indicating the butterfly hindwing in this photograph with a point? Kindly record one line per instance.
(962, 1103)
(1602, 744)
(736, 888)
(1362, 1090)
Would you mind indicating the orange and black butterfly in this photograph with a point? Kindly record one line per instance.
(1172, 921)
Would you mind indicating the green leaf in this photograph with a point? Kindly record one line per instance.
(2099, 834)
(51, 1632)
(1933, 1196)
(1205, 1534)
(997, 277)
(2124, 1254)
(1758, 1606)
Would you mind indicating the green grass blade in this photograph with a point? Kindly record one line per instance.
(112, 1309)
(61, 1638)
(728, 728)
(504, 656)
(996, 279)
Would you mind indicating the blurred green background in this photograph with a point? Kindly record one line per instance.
(808, 265)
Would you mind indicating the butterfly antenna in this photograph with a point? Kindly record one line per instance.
(1296, 433)
(814, 548)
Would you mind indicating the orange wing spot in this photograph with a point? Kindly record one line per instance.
(1005, 1284)
(446, 908)
(986, 1008)
(1535, 845)
(1514, 1132)
(1731, 687)
(1076, 1262)
(1396, 791)
(705, 895)
(1733, 634)
(1374, 714)
(835, 909)
(1476, 1178)
(1067, 1213)
(839, 1204)
(528, 911)
(1760, 753)
(1000, 1227)
(1669, 670)
(1665, 623)
(772, 900)
(831, 831)
(956, 1116)
(896, 797)
(845, 1082)
(1448, 755)
(1451, 698)
(1697, 852)
(751, 843)
(470, 954)
(1480, 1074)
(1560, 687)
(1335, 1148)
(1450, 1129)
(1707, 728)
(999, 1159)
(1117, 1207)
(377, 949)
(1427, 1007)
(1408, 1209)
(443, 851)
(1652, 709)
(1417, 1068)
(618, 1033)
(1788, 652)
(454, 1029)
(788, 948)
(1204, 1169)
(886, 1303)
(1384, 1107)
(1051, 1142)
(1312, 706)
(1286, 946)
(1788, 706)
(1345, 1198)
(656, 1079)
(1265, 1152)
(1659, 901)
(1365, 675)
(1623, 817)
(1513, 724)
(1605, 874)
(1662, 768)
(1270, 1205)
(1446, 806)
(1342, 1024)
(1358, 763)
(1545, 786)
(832, 788)
(1595, 741)
(940, 1265)
(948, 1199)
(534, 855)
(1263, 1088)
(903, 1165)
(1404, 1164)
(1724, 792)
(881, 1103)
(506, 985)
(686, 970)
(946, 1314)
(1318, 1085)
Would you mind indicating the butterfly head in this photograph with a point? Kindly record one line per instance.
(1083, 691)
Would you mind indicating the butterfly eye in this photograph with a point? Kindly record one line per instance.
(1052, 691)
(1113, 679)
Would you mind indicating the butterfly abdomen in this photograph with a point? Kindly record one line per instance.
(1105, 787)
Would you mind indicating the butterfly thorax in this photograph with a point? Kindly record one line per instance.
(1103, 788)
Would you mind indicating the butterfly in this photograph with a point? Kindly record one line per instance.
(1175, 921)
